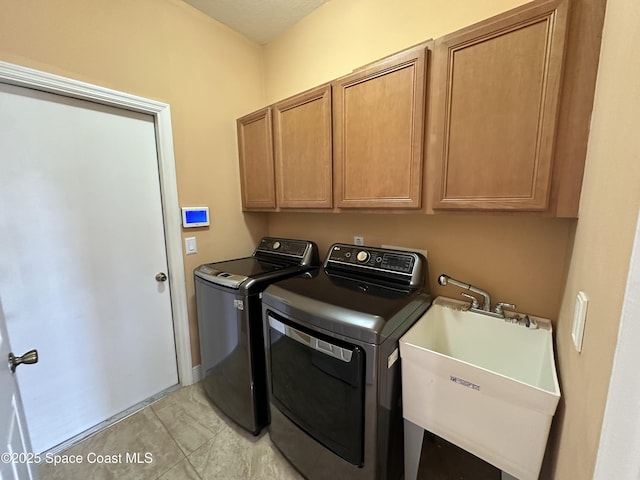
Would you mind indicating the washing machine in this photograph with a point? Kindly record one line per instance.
(230, 324)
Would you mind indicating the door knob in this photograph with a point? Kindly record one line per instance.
(30, 357)
(161, 277)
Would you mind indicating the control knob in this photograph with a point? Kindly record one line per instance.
(363, 256)
(276, 245)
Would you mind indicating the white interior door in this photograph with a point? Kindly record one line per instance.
(15, 447)
(81, 216)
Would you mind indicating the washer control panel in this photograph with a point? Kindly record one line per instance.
(395, 261)
(303, 252)
(275, 245)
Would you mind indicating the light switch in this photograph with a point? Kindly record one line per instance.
(579, 317)
(190, 245)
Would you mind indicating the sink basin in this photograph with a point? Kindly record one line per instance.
(483, 383)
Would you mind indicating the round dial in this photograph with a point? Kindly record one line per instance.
(363, 256)
(276, 245)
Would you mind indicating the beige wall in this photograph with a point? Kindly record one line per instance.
(521, 261)
(163, 50)
(603, 241)
(344, 34)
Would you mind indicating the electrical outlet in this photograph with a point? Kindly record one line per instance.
(358, 240)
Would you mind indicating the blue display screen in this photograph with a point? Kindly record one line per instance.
(196, 216)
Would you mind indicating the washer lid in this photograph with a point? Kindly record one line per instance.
(233, 273)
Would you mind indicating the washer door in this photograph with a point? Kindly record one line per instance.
(318, 383)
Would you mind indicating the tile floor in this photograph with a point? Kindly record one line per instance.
(187, 439)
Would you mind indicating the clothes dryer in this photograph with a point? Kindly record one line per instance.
(333, 361)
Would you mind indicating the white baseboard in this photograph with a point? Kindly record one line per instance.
(197, 373)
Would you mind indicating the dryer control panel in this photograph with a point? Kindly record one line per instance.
(396, 265)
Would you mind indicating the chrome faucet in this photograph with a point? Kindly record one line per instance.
(485, 308)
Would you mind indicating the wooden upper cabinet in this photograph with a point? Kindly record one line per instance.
(303, 149)
(378, 115)
(255, 147)
(496, 88)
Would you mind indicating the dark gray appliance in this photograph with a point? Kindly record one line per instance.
(230, 325)
(332, 361)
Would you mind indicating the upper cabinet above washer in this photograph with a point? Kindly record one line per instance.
(364, 148)
(496, 91)
(255, 148)
(285, 153)
(378, 122)
(303, 156)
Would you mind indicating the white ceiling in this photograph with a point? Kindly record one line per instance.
(258, 20)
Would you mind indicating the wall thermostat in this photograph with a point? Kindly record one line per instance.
(195, 217)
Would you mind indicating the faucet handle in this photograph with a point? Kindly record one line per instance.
(500, 305)
(474, 300)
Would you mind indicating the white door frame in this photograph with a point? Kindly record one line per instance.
(46, 82)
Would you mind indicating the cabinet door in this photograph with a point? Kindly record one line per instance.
(302, 137)
(497, 87)
(255, 148)
(378, 133)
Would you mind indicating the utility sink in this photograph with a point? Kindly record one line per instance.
(486, 384)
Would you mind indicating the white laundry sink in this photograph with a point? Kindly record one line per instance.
(482, 383)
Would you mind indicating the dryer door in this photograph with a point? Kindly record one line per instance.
(318, 383)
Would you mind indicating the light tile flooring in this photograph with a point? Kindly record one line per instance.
(187, 439)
